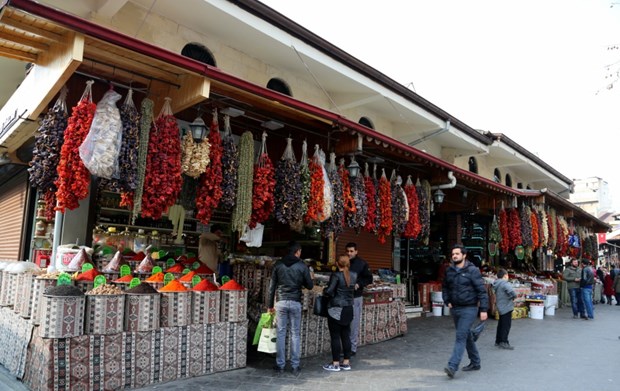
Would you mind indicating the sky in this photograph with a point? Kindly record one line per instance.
(536, 70)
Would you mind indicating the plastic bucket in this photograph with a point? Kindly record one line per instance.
(537, 310)
(550, 310)
(436, 297)
(446, 310)
(551, 300)
(437, 308)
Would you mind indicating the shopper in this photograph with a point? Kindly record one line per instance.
(617, 288)
(608, 286)
(504, 299)
(290, 274)
(340, 290)
(464, 292)
(364, 278)
(572, 276)
(585, 284)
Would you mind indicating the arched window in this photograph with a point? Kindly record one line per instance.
(497, 176)
(279, 85)
(198, 52)
(528, 187)
(366, 122)
(519, 185)
(508, 180)
(473, 165)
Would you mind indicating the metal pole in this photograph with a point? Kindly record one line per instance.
(58, 221)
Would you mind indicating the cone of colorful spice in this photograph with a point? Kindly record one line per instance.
(203, 270)
(85, 280)
(234, 302)
(176, 305)
(142, 306)
(156, 280)
(206, 299)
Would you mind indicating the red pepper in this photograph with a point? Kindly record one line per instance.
(209, 191)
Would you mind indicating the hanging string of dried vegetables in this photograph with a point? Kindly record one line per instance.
(562, 238)
(73, 177)
(526, 226)
(335, 223)
(162, 181)
(209, 191)
(328, 198)
(413, 228)
(424, 197)
(287, 197)
(297, 222)
(371, 202)
(543, 227)
(535, 228)
(317, 185)
(230, 166)
(552, 227)
(514, 228)
(245, 178)
(495, 234)
(357, 220)
(347, 198)
(377, 199)
(385, 205)
(264, 183)
(400, 207)
(195, 156)
(503, 227)
(146, 120)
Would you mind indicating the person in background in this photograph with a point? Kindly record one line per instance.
(364, 278)
(340, 290)
(289, 275)
(616, 287)
(208, 247)
(572, 276)
(585, 284)
(600, 274)
(465, 294)
(504, 296)
(608, 287)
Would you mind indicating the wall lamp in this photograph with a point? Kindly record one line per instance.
(354, 167)
(199, 129)
(438, 196)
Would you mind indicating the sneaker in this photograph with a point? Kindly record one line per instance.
(345, 367)
(331, 367)
(296, 371)
(575, 316)
(450, 372)
(278, 369)
(506, 345)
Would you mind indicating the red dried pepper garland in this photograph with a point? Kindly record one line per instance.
(514, 229)
(73, 178)
(371, 194)
(209, 191)
(349, 201)
(162, 181)
(262, 191)
(413, 228)
(562, 242)
(503, 229)
(385, 205)
(534, 222)
(316, 199)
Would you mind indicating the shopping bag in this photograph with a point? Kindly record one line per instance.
(266, 320)
(320, 305)
(267, 341)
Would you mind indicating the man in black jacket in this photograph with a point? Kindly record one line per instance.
(290, 274)
(364, 277)
(464, 292)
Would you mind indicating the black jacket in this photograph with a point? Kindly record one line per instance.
(364, 276)
(337, 290)
(464, 287)
(290, 274)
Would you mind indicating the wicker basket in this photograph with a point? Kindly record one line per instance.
(142, 312)
(104, 314)
(64, 316)
(206, 306)
(176, 309)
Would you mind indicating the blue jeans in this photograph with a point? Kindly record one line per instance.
(576, 301)
(358, 302)
(586, 295)
(288, 311)
(464, 318)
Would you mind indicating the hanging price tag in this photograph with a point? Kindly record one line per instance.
(134, 282)
(185, 271)
(99, 280)
(157, 269)
(125, 270)
(64, 279)
(195, 265)
(225, 279)
(86, 267)
(167, 278)
(195, 280)
(162, 254)
(170, 262)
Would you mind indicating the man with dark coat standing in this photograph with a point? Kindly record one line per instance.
(364, 278)
(465, 294)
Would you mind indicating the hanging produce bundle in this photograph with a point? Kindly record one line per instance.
(424, 198)
(245, 179)
(495, 234)
(357, 219)
(162, 181)
(287, 195)
(146, 119)
(514, 228)
(335, 223)
(562, 238)
(371, 202)
(535, 229)
(552, 227)
(194, 155)
(413, 228)
(526, 226)
(400, 208)
(543, 227)
(385, 205)
(230, 166)
(348, 201)
(48, 143)
(504, 230)
(317, 187)
(209, 190)
(297, 224)
(262, 190)
(73, 177)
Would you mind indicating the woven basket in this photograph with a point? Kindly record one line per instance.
(206, 306)
(64, 316)
(142, 312)
(176, 309)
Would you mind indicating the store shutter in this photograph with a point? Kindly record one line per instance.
(12, 204)
(378, 256)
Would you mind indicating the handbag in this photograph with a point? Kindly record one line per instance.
(266, 321)
(267, 341)
(320, 305)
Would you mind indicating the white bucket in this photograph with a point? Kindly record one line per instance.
(437, 308)
(550, 310)
(551, 301)
(436, 297)
(537, 310)
(446, 310)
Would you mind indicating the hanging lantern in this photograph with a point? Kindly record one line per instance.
(492, 248)
(520, 252)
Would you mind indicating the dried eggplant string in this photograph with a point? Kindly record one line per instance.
(243, 208)
(304, 177)
(400, 208)
(357, 220)
(230, 166)
(424, 197)
(288, 192)
(146, 119)
(335, 224)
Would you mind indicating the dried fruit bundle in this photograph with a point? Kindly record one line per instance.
(288, 187)
(263, 185)
(385, 204)
(230, 166)
(209, 190)
(413, 228)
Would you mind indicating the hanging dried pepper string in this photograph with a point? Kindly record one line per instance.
(357, 220)
(526, 226)
(385, 204)
(335, 223)
(348, 201)
(262, 190)
(245, 178)
(534, 224)
(412, 230)
(371, 204)
(424, 197)
(316, 199)
(209, 190)
(230, 166)
(146, 119)
(514, 228)
(73, 178)
(505, 232)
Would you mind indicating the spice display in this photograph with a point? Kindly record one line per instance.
(115, 263)
(194, 155)
(78, 260)
(105, 289)
(176, 268)
(232, 285)
(385, 205)
(88, 275)
(413, 228)
(424, 202)
(317, 188)
(400, 207)
(304, 177)
(188, 277)
(287, 194)
(357, 219)
(514, 228)
(371, 203)
(173, 286)
(162, 181)
(48, 143)
(146, 265)
(245, 178)
(125, 279)
(503, 227)
(209, 190)
(526, 226)
(100, 149)
(141, 289)
(49, 275)
(262, 188)
(63, 290)
(205, 286)
(156, 277)
(335, 224)
(73, 178)
(146, 119)
(203, 269)
(230, 166)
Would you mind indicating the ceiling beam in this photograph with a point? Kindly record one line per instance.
(18, 55)
(22, 40)
(30, 29)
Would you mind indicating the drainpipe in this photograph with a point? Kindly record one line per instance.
(450, 185)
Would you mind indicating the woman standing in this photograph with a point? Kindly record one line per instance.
(608, 286)
(340, 313)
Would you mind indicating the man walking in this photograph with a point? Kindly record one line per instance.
(290, 274)
(464, 292)
(572, 276)
(364, 278)
(586, 283)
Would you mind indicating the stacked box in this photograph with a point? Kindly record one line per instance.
(105, 314)
(27, 302)
(23, 281)
(142, 312)
(40, 284)
(176, 309)
(64, 316)
(233, 307)
(8, 288)
(206, 306)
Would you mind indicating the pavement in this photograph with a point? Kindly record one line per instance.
(557, 353)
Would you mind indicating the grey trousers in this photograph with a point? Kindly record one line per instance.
(355, 324)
